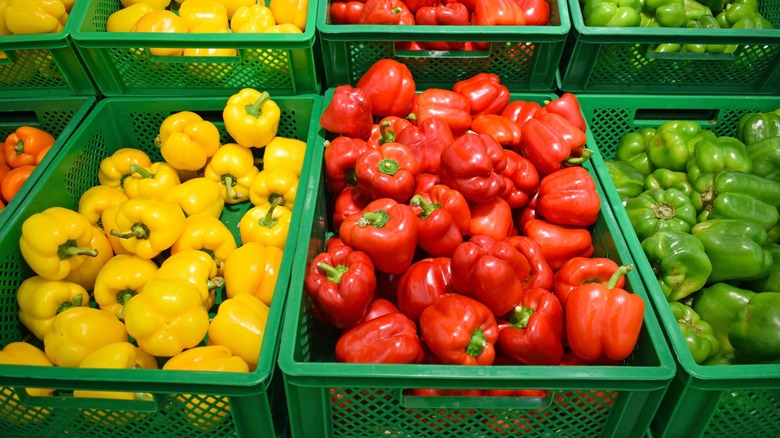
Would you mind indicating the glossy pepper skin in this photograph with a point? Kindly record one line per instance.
(233, 167)
(664, 179)
(422, 284)
(23, 353)
(346, 12)
(603, 321)
(187, 141)
(252, 18)
(94, 201)
(718, 304)
(268, 224)
(656, 210)
(386, 231)
(754, 127)
(522, 179)
(569, 197)
(348, 202)
(14, 180)
(710, 156)
(678, 261)
(454, 203)
(117, 356)
(208, 234)
(738, 195)
(197, 196)
(632, 148)
(472, 164)
(452, 107)
(491, 272)
(240, 325)
(56, 241)
(115, 168)
(544, 144)
(449, 14)
(771, 281)
(669, 147)
(541, 274)
(485, 93)
(696, 332)
(24, 144)
(387, 172)
(579, 271)
(390, 88)
(533, 335)
(437, 233)
(629, 182)
(498, 13)
(86, 274)
(251, 117)
(492, 218)
(79, 331)
(567, 106)
(283, 153)
(162, 21)
(386, 12)
(253, 268)
(753, 333)
(505, 131)
(36, 16)
(120, 279)
(611, 13)
(207, 358)
(426, 140)
(390, 338)
(765, 155)
(291, 11)
(152, 182)
(124, 19)
(520, 111)
(668, 13)
(340, 156)
(341, 283)
(196, 267)
(40, 301)
(736, 249)
(348, 113)
(559, 243)
(147, 226)
(459, 330)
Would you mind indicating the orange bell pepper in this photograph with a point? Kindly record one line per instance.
(23, 145)
(14, 180)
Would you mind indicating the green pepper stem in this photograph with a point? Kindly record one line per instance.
(77, 301)
(138, 231)
(215, 283)
(388, 166)
(141, 171)
(586, 154)
(427, 207)
(334, 273)
(69, 249)
(411, 117)
(385, 135)
(19, 147)
(621, 271)
(477, 343)
(276, 197)
(351, 178)
(254, 109)
(520, 316)
(229, 181)
(123, 297)
(663, 210)
(376, 219)
(268, 221)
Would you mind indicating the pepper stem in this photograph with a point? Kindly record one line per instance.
(69, 249)
(520, 316)
(376, 219)
(254, 108)
(215, 283)
(663, 210)
(388, 166)
(123, 297)
(621, 271)
(385, 135)
(268, 221)
(141, 171)
(77, 300)
(138, 231)
(427, 207)
(411, 117)
(276, 197)
(334, 273)
(477, 344)
(229, 181)
(19, 147)
(586, 154)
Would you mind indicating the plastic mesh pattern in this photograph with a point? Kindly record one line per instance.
(746, 412)
(31, 69)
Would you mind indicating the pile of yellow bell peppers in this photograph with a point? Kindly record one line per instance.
(25, 17)
(147, 244)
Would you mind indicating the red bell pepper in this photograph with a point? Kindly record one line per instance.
(473, 164)
(340, 157)
(454, 203)
(386, 12)
(348, 202)
(387, 172)
(579, 271)
(387, 130)
(536, 12)
(389, 86)
(516, 393)
(545, 147)
(533, 335)
(341, 285)
(522, 179)
(390, 338)
(526, 214)
(427, 140)
(567, 105)
(572, 136)
(569, 197)
(491, 272)
(449, 14)
(459, 330)
(378, 307)
(541, 275)
(386, 231)
(603, 321)
(452, 107)
(492, 218)
(505, 131)
(431, 392)
(348, 113)
(416, 5)
(422, 284)
(425, 182)
(485, 93)
(346, 12)
(441, 216)
(520, 111)
(559, 243)
(498, 13)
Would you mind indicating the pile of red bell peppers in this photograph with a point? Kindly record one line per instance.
(462, 230)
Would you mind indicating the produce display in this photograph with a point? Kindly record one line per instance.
(23, 149)
(25, 17)
(705, 209)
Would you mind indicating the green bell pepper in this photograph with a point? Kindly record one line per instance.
(773, 235)
(737, 195)
(668, 13)
(722, 358)
(678, 261)
(611, 13)
(706, 22)
(628, 181)
(695, 10)
(718, 304)
(766, 158)
(736, 249)
(763, 189)
(670, 147)
(754, 333)
(715, 6)
(712, 155)
(770, 282)
(758, 22)
(754, 127)
(647, 20)
(668, 179)
(743, 207)
(632, 148)
(696, 333)
(656, 210)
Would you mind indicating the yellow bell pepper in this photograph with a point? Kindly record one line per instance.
(271, 184)
(167, 317)
(197, 68)
(187, 141)
(155, 4)
(198, 268)
(208, 234)
(24, 17)
(232, 5)
(124, 19)
(233, 167)
(251, 117)
(285, 153)
(13, 411)
(41, 300)
(116, 167)
(108, 219)
(252, 19)
(253, 269)
(240, 325)
(86, 274)
(198, 196)
(68, 4)
(79, 331)
(162, 22)
(121, 278)
(3, 27)
(117, 356)
(96, 199)
(268, 224)
(148, 226)
(290, 12)
(200, 12)
(154, 181)
(283, 28)
(56, 241)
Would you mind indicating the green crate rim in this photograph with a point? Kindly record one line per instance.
(40, 41)
(168, 381)
(717, 377)
(445, 376)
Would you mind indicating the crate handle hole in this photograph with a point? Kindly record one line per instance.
(656, 116)
(409, 400)
(401, 49)
(19, 118)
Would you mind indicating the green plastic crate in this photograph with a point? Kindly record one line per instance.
(708, 401)
(329, 399)
(617, 60)
(255, 404)
(120, 65)
(59, 118)
(524, 57)
(43, 65)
